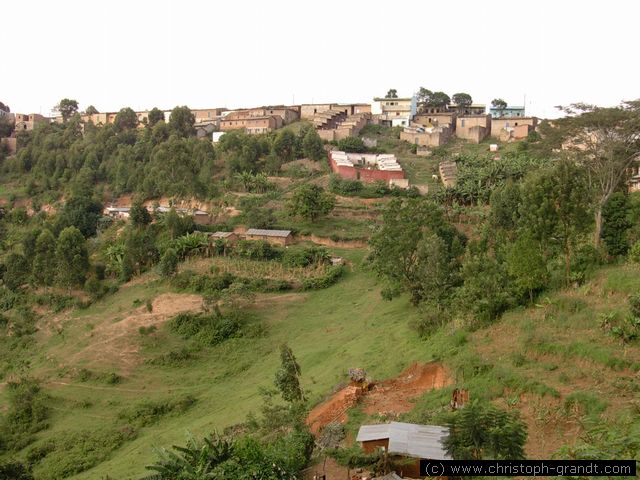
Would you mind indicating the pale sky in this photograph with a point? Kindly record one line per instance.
(249, 53)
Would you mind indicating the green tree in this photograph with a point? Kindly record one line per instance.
(139, 215)
(80, 211)
(16, 271)
(312, 145)
(155, 115)
(352, 144)
(284, 145)
(605, 143)
(392, 93)
(527, 266)
(616, 224)
(181, 122)
(438, 100)
(405, 244)
(44, 260)
(288, 376)
(168, 263)
(67, 108)
(311, 202)
(126, 119)
(462, 99)
(14, 471)
(72, 258)
(498, 103)
(482, 431)
(91, 110)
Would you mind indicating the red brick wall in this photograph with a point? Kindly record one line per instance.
(364, 174)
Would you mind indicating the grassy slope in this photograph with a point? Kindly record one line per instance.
(533, 360)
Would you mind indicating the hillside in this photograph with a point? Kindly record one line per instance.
(552, 362)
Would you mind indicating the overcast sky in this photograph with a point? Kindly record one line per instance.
(248, 53)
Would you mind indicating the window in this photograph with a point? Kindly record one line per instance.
(462, 123)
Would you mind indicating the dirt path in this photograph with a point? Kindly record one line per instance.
(389, 397)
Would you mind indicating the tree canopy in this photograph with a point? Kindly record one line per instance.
(67, 108)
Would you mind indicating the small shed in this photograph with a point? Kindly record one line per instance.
(117, 212)
(227, 236)
(276, 237)
(408, 442)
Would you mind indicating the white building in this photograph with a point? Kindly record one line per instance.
(395, 111)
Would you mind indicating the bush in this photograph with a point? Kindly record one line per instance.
(634, 252)
(149, 412)
(257, 250)
(303, 257)
(331, 277)
(27, 414)
(204, 284)
(174, 358)
(73, 452)
(208, 329)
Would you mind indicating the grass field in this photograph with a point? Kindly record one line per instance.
(552, 362)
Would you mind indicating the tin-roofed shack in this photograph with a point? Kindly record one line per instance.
(407, 442)
(276, 237)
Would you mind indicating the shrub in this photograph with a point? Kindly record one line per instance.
(208, 329)
(634, 252)
(257, 250)
(303, 257)
(27, 414)
(174, 358)
(331, 277)
(149, 412)
(74, 452)
(147, 330)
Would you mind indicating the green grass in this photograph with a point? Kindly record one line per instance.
(555, 352)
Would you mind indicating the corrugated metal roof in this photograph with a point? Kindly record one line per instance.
(268, 233)
(221, 234)
(420, 441)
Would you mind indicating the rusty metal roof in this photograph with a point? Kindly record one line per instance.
(412, 440)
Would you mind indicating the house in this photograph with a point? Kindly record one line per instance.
(26, 122)
(405, 444)
(253, 124)
(227, 236)
(117, 212)
(276, 237)
(432, 136)
(309, 110)
(440, 119)
(335, 125)
(506, 112)
(367, 167)
(512, 128)
(473, 109)
(100, 118)
(394, 111)
(474, 128)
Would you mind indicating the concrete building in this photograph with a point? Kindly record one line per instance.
(309, 110)
(433, 136)
(26, 122)
(473, 109)
(506, 112)
(252, 124)
(448, 173)
(276, 237)
(332, 125)
(368, 167)
(439, 119)
(405, 444)
(512, 128)
(473, 128)
(394, 111)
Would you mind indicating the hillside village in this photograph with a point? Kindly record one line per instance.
(294, 232)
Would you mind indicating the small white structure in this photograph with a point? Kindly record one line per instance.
(215, 136)
(493, 147)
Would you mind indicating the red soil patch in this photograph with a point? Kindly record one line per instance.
(393, 396)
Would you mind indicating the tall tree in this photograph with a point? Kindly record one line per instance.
(438, 100)
(462, 99)
(482, 431)
(72, 258)
(126, 119)
(310, 202)
(139, 215)
(155, 115)
(405, 242)
(284, 144)
(312, 145)
(605, 142)
(616, 223)
(392, 93)
(16, 271)
(498, 103)
(181, 121)
(91, 110)
(288, 376)
(67, 108)
(44, 260)
(527, 266)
